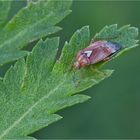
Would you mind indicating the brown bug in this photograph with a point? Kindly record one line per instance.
(96, 52)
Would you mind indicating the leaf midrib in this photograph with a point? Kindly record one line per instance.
(30, 110)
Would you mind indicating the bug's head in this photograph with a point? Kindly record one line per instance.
(82, 60)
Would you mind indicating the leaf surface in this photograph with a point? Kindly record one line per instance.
(4, 11)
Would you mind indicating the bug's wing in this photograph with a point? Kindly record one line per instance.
(98, 54)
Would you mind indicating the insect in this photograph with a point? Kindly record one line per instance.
(96, 52)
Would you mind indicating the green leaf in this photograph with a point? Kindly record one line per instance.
(32, 91)
(36, 20)
(4, 11)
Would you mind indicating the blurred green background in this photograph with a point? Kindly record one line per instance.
(114, 109)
